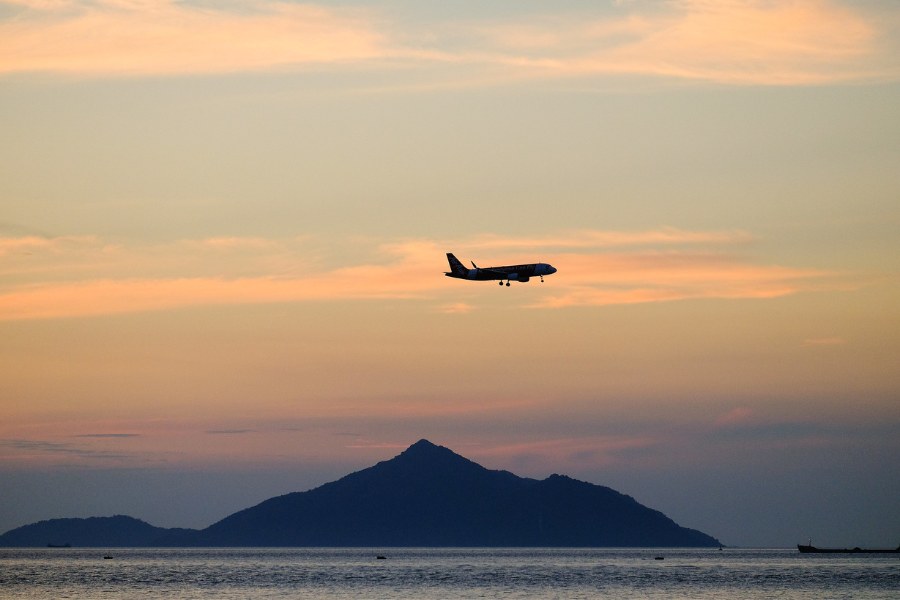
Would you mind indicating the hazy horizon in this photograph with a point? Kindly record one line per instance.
(224, 229)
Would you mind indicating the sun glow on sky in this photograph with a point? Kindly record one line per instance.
(224, 226)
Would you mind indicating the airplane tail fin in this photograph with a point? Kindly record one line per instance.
(456, 266)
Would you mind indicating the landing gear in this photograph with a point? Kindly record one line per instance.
(507, 284)
(542, 279)
(499, 283)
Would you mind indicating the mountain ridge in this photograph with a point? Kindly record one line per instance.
(426, 496)
(108, 532)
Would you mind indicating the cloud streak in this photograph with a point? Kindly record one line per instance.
(635, 278)
(746, 42)
(80, 277)
(795, 42)
(574, 452)
(40, 449)
(140, 37)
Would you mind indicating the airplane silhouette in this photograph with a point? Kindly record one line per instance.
(520, 273)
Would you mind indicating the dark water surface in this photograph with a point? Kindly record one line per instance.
(443, 573)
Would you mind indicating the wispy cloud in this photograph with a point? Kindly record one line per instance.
(631, 278)
(40, 449)
(230, 431)
(135, 37)
(582, 452)
(457, 308)
(29, 244)
(735, 417)
(726, 41)
(74, 277)
(732, 436)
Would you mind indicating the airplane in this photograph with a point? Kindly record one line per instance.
(520, 273)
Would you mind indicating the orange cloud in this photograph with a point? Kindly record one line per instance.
(100, 297)
(758, 41)
(456, 308)
(163, 36)
(795, 42)
(746, 42)
(597, 280)
(73, 277)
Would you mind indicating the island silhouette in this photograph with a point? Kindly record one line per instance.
(427, 496)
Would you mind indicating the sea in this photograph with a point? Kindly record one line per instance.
(442, 573)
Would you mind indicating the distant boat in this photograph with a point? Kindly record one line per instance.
(59, 545)
(810, 549)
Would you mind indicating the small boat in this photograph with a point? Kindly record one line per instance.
(810, 549)
(659, 558)
(59, 545)
(380, 557)
(107, 557)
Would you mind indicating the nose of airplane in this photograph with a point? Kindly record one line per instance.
(551, 269)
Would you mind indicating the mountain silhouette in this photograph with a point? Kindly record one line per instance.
(431, 496)
(106, 532)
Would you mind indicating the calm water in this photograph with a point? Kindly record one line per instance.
(443, 573)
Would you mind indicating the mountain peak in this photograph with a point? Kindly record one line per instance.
(427, 456)
(423, 446)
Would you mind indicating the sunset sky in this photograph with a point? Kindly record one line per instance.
(224, 226)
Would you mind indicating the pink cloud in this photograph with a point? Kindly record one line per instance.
(576, 453)
(735, 416)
